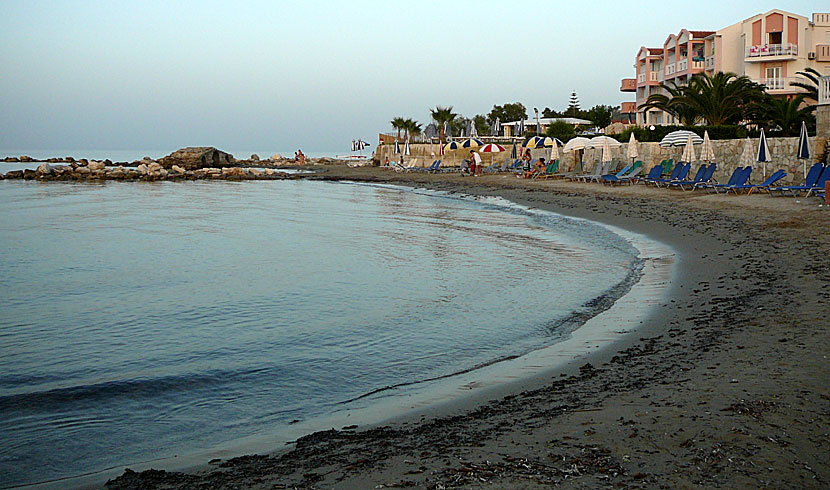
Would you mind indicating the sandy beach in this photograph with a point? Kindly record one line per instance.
(723, 386)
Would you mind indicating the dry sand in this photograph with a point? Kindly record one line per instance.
(724, 386)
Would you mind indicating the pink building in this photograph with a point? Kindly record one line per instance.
(769, 48)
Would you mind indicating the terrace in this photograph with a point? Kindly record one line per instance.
(762, 51)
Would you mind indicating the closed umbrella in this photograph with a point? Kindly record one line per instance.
(803, 150)
(554, 150)
(513, 152)
(473, 130)
(448, 131)
(679, 138)
(521, 130)
(707, 152)
(606, 151)
(688, 151)
(763, 152)
(406, 150)
(633, 151)
(497, 127)
(397, 147)
(746, 155)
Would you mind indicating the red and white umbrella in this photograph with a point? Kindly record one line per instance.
(492, 148)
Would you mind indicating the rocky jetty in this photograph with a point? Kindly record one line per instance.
(196, 157)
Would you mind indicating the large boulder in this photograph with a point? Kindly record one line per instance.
(95, 165)
(44, 169)
(192, 158)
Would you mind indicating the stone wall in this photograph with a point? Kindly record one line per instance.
(727, 154)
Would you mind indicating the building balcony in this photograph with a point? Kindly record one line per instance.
(824, 91)
(670, 69)
(628, 107)
(709, 64)
(682, 65)
(628, 85)
(781, 85)
(763, 52)
(654, 76)
(823, 52)
(641, 78)
(697, 63)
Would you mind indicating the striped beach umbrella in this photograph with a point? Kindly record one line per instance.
(599, 141)
(803, 150)
(532, 142)
(764, 155)
(578, 143)
(679, 138)
(452, 145)
(633, 151)
(688, 151)
(472, 143)
(707, 152)
(548, 142)
(492, 148)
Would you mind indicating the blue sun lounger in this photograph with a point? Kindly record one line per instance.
(699, 176)
(819, 185)
(775, 177)
(743, 178)
(794, 190)
(706, 180)
(675, 174)
(736, 174)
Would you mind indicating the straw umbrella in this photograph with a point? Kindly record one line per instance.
(688, 151)
(554, 150)
(633, 152)
(707, 152)
(803, 150)
(763, 152)
(746, 155)
(606, 151)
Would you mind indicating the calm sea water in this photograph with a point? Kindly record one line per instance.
(146, 320)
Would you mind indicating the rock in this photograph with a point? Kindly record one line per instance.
(233, 171)
(44, 169)
(270, 171)
(142, 169)
(11, 159)
(177, 169)
(108, 162)
(193, 158)
(255, 157)
(83, 161)
(69, 159)
(256, 172)
(14, 174)
(29, 174)
(154, 167)
(95, 165)
(275, 157)
(82, 170)
(25, 158)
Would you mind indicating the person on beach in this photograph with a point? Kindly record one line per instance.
(538, 168)
(475, 163)
(301, 156)
(526, 163)
(386, 162)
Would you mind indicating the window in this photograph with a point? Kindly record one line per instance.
(774, 38)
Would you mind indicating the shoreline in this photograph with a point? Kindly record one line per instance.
(724, 386)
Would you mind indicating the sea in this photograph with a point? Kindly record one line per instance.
(147, 321)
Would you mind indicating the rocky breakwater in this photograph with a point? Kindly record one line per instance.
(152, 171)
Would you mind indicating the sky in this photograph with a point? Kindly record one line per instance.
(313, 74)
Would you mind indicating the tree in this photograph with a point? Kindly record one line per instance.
(507, 112)
(442, 115)
(411, 127)
(719, 99)
(601, 115)
(573, 109)
(785, 114)
(548, 112)
(459, 124)
(397, 123)
(481, 123)
(811, 86)
(561, 130)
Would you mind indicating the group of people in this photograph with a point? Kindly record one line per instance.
(299, 157)
(476, 168)
(529, 169)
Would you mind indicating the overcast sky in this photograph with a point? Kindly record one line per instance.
(313, 75)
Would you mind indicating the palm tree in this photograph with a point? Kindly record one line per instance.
(722, 98)
(785, 113)
(410, 128)
(442, 115)
(397, 123)
(812, 75)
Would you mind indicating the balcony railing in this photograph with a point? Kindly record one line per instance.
(824, 91)
(781, 83)
(822, 52)
(670, 68)
(682, 65)
(710, 62)
(628, 85)
(766, 50)
(654, 76)
(641, 78)
(628, 107)
(697, 65)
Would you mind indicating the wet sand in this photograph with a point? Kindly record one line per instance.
(724, 385)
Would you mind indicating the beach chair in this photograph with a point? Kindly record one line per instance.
(795, 190)
(743, 178)
(655, 173)
(732, 179)
(699, 176)
(597, 172)
(775, 177)
(436, 167)
(674, 174)
(706, 180)
(550, 170)
(667, 166)
(626, 178)
(680, 175)
(606, 177)
(819, 185)
(433, 166)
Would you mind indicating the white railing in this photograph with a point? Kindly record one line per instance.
(671, 68)
(697, 65)
(682, 65)
(641, 77)
(654, 76)
(824, 91)
(763, 50)
(781, 83)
